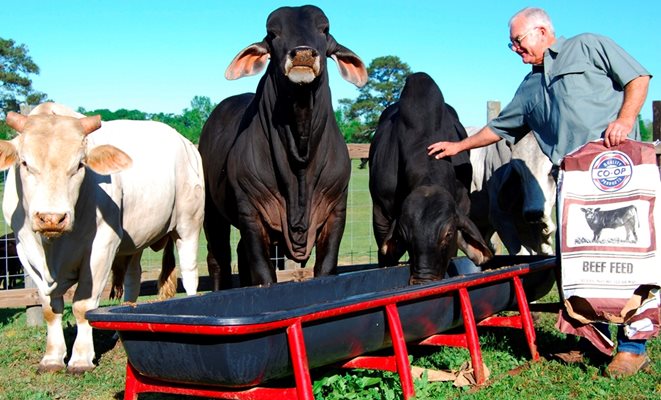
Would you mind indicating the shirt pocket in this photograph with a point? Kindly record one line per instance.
(570, 79)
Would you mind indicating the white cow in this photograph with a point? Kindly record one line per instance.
(80, 193)
(513, 194)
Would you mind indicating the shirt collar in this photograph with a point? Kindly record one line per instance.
(557, 46)
(552, 53)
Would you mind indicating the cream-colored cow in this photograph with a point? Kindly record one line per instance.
(80, 193)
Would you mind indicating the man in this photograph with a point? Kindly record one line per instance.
(580, 89)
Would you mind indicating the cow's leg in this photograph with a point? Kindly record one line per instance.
(82, 355)
(187, 245)
(245, 270)
(92, 279)
(328, 242)
(167, 279)
(253, 253)
(507, 231)
(217, 231)
(56, 348)
(132, 277)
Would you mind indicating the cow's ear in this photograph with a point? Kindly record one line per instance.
(249, 61)
(8, 154)
(107, 159)
(470, 241)
(351, 67)
(16, 121)
(392, 247)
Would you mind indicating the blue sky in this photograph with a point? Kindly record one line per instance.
(156, 56)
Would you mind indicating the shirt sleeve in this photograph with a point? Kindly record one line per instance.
(510, 124)
(620, 66)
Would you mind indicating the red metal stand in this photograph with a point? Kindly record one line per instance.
(136, 383)
(469, 339)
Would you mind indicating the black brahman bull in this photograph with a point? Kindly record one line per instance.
(421, 204)
(275, 163)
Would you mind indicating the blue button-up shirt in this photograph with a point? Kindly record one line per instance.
(571, 98)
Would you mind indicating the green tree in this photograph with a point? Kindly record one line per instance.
(16, 67)
(645, 129)
(360, 117)
(122, 113)
(191, 120)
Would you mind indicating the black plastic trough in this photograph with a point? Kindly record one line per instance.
(237, 338)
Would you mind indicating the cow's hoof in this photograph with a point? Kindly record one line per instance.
(79, 370)
(49, 368)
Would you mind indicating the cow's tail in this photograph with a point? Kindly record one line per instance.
(118, 273)
(167, 280)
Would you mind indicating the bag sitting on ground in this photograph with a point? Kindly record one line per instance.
(609, 255)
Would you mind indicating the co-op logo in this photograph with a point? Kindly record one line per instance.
(611, 171)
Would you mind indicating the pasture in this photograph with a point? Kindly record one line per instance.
(504, 350)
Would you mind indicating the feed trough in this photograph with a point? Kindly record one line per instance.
(238, 339)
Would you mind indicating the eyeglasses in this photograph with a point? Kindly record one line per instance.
(516, 43)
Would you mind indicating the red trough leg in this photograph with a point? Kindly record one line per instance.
(401, 353)
(526, 318)
(472, 339)
(299, 360)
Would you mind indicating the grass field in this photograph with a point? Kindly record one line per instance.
(504, 350)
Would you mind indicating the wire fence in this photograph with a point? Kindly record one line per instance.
(357, 246)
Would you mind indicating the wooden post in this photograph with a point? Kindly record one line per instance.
(33, 314)
(493, 109)
(656, 130)
(656, 120)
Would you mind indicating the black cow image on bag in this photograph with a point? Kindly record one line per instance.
(599, 220)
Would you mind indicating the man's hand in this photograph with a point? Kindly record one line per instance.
(483, 137)
(617, 132)
(443, 149)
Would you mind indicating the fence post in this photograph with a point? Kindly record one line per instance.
(656, 120)
(33, 314)
(493, 109)
(656, 128)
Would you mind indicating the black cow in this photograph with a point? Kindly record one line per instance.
(275, 163)
(626, 217)
(10, 266)
(421, 204)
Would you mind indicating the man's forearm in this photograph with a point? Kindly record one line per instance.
(635, 93)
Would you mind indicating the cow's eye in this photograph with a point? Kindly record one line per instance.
(272, 34)
(80, 167)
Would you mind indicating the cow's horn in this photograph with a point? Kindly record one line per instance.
(90, 124)
(16, 121)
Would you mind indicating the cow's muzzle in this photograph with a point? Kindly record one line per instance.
(303, 65)
(51, 224)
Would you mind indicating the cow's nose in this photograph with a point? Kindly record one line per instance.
(303, 54)
(51, 222)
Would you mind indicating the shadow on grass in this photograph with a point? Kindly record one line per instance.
(104, 341)
(9, 315)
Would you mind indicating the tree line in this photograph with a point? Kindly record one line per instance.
(357, 118)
